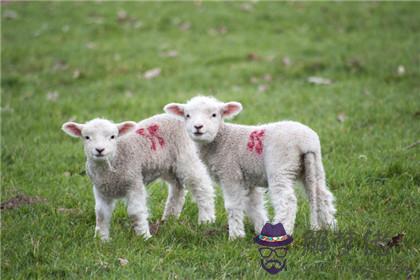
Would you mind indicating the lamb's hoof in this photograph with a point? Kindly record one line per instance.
(166, 217)
(330, 226)
(333, 225)
(143, 233)
(315, 228)
(104, 237)
(146, 236)
(234, 236)
(207, 220)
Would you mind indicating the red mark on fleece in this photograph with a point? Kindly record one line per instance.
(151, 133)
(255, 141)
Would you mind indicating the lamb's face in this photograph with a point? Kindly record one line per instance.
(99, 136)
(203, 122)
(204, 116)
(100, 139)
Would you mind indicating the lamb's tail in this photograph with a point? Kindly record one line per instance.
(321, 200)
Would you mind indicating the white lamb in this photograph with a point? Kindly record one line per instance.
(241, 158)
(121, 161)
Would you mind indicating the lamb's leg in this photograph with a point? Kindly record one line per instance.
(137, 210)
(176, 199)
(235, 199)
(310, 183)
(255, 208)
(195, 176)
(284, 200)
(321, 200)
(103, 208)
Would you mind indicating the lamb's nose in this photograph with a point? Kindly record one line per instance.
(198, 127)
(100, 150)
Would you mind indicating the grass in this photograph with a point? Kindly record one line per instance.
(226, 51)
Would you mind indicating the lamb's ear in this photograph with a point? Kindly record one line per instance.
(174, 109)
(125, 127)
(231, 109)
(73, 129)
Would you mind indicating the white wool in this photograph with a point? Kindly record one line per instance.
(128, 161)
(242, 158)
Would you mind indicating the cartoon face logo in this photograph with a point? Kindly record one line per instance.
(273, 249)
(273, 260)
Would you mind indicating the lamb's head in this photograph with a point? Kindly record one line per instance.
(203, 116)
(99, 136)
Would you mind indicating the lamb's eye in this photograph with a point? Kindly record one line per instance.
(113, 137)
(87, 137)
(214, 115)
(188, 116)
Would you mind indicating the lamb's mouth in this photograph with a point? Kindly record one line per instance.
(197, 133)
(99, 156)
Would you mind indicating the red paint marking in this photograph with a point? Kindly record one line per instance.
(140, 131)
(255, 141)
(152, 135)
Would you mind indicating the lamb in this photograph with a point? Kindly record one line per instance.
(123, 158)
(244, 158)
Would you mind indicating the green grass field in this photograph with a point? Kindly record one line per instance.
(63, 61)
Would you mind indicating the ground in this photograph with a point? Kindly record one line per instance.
(77, 61)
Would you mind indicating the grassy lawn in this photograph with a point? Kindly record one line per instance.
(79, 61)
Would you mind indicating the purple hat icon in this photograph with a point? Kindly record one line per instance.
(273, 236)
